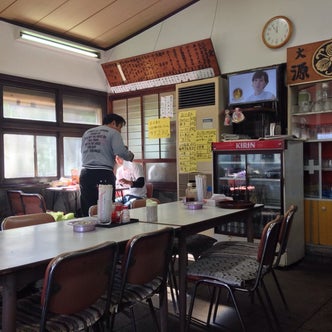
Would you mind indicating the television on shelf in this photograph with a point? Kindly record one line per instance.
(254, 87)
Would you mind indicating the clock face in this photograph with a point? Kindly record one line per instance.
(277, 32)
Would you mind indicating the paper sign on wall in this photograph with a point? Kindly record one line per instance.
(159, 128)
(166, 106)
(194, 145)
(187, 141)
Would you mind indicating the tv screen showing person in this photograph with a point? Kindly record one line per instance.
(259, 81)
(253, 86)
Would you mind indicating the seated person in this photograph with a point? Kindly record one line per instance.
(129, 175)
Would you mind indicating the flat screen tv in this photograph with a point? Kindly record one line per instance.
(252, 87)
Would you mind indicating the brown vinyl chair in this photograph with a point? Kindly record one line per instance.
(33, 203)
(15, 202)
(26, 220)
(250, 249)
(149, 189)
(93, 210)
(76, 292)
(143, 272)
(238, 273)
(196, 244)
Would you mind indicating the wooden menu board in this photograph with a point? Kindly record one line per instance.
(167, 62)
(309, 62)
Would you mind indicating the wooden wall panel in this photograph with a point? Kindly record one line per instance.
(310, 62)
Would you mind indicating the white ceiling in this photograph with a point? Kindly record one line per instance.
(99, 23)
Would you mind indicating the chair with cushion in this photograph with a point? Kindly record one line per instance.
(250, 249)
(238, 273)
(33, 203)
(143, 272)
(15, 202)
(76, 292)
(23, 221)
(196, 244)
(26, 220)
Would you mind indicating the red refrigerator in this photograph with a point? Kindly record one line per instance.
(267, 171)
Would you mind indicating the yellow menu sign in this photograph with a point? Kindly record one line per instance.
(194, 145)
(159, 128)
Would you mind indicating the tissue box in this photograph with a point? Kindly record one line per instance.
(210, 202)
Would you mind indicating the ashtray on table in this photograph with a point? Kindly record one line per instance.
(195, 205)
(83, 225)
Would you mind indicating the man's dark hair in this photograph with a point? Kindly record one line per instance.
(259, 74)
(109, 118)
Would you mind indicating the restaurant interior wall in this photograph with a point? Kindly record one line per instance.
(36, 62)
(216, 19)
(235, 29)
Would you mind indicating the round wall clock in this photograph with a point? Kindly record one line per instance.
(277, 31)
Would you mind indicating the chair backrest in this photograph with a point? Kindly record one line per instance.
(26, 220)
(147, 257)
(15, 202)
(149, 189)
(268, 243)
(141, 202)
(284, 232)
(33, 203)
(74, 281)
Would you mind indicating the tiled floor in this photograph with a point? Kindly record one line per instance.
(308, 289)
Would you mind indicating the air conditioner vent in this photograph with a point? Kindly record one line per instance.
(197, 95)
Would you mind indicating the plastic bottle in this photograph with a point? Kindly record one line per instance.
(208, 192)
(151, 210)
(191, 192)
(125, 214)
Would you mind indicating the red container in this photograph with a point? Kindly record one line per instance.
(116, 214)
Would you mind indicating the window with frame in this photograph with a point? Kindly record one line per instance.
(28, 104)
(82, 109)
(52, 119)
(28, 156)
(158, 156)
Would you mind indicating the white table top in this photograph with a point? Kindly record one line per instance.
(177, 214)
(24, 246)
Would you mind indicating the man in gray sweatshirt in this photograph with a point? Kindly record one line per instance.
(99, 147)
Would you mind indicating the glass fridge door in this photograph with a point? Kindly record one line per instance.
(230, 175)
(254, 177)
(264, 179)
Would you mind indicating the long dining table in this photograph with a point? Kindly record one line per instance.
(188, 222)
(25, 253)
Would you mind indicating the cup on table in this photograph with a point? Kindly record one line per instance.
(151, 210)
(104, 208)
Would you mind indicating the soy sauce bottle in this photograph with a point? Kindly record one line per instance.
(191, 192)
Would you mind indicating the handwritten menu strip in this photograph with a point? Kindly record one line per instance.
(171, 61)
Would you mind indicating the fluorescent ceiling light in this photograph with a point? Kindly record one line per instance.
(121, 72)
(67, 46)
